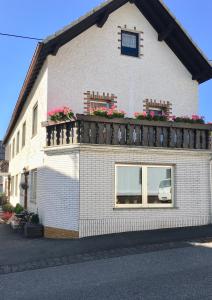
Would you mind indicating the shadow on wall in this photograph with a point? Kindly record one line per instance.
(58, 196)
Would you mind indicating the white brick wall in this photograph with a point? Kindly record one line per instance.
(97, 190)
(58, 190)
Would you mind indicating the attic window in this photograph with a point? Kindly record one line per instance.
(130, 43)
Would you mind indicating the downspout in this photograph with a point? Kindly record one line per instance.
(210, 188)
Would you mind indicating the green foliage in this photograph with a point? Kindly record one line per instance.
(18, 208)
(8, 208)
(35, 219)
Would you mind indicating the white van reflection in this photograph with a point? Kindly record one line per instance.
(165, 190)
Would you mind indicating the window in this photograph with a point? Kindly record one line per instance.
(130, 43)
(12, 185)
(159, 108)
(156, 111)
(10, 152)
(13, 148)
(24, 134)
(16, 185)
(95, 100)
(17, 142)
(144, 186)
(35, 120)
(33, 181)
(96, 104)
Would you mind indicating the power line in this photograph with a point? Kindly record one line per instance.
(20, 36)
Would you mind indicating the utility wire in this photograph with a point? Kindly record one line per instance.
(20, 36)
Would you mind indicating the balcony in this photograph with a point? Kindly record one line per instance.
(129, 132)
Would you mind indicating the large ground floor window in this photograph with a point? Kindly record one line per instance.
(144, 185)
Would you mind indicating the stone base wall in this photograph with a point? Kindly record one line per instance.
(56, 233)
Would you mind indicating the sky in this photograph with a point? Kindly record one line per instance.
(41, 18)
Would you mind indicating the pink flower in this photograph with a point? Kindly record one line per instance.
(66, 110)
(195, 117)
(152, 114)
(144, 114)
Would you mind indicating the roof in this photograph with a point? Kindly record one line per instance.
(169, 30)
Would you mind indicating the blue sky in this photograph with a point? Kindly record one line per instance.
(41, 18)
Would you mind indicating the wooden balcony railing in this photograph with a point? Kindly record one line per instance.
(129, 132)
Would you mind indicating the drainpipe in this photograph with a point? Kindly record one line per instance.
(26, 173)
(8, 188)
(210, 187)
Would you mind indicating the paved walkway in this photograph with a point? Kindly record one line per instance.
(19, 254)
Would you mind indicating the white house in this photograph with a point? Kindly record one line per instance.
(98, 176)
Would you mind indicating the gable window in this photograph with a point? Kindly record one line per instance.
(24, 134)
(33, 181)
(17, 142)
(130, 43)
(35, 120)
(146, 186)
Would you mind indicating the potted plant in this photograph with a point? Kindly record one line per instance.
(33, 228)
(150, 116)
(61, 114)
(195, 119)
(8, 210)
(110, 113)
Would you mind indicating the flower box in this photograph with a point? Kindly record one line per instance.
(33, 230)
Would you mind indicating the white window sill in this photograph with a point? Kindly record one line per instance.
(144, 207)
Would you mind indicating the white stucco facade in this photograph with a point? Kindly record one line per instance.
(31, 155)
(92, 62)
(75, 184)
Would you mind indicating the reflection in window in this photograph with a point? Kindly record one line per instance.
(99, 104)
(144, 186)
(130, 43)
(159, 185)
(129, 185)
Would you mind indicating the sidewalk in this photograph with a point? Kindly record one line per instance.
(20, 254)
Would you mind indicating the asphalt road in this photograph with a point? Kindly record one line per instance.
(180, 273)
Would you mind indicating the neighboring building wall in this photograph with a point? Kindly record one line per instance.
(58, 192)
(98, 214)
(92, 62)
(2, 151)
(31, 155)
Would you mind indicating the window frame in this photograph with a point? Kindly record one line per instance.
(23, 138)
(18, 142)
(133, 52)
(35, 125)
(13, 147)
(33, 189)
(16, 184)
(12, 186)
(145, 203)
